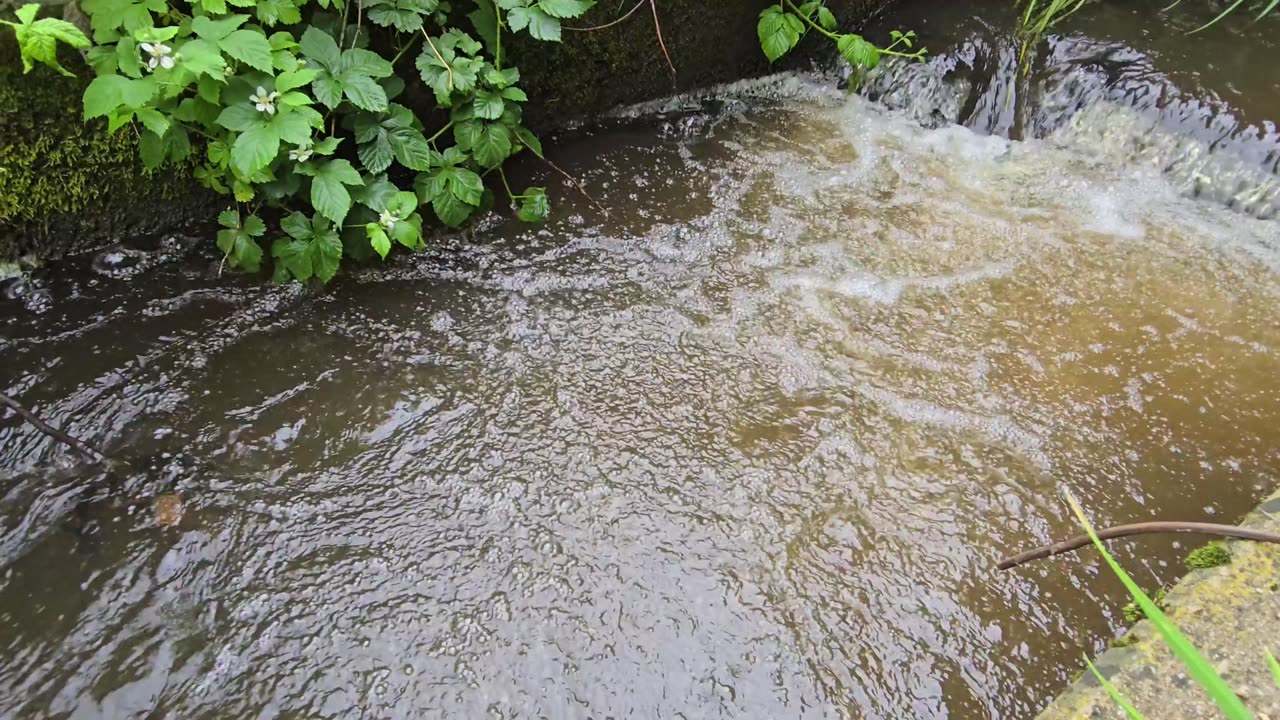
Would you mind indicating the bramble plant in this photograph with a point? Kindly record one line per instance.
(782, 26)
(290, 105)
(38, 39)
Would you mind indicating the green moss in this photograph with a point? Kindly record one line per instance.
(1133, 613)
(1211, 555)
(1129, 638)
(67, 185)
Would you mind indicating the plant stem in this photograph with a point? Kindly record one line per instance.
(440, 132)
(811, 23)
(438, 56)
(405, 49)
(497, 36)
(505, 185)
(53, 432)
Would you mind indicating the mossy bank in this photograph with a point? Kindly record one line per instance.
(68, 186)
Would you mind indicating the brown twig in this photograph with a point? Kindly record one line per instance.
(1119, 531)
(574, 181)
(53, 432)
(594, 28)
(657, 26)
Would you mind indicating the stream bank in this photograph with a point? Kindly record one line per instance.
(67, 186)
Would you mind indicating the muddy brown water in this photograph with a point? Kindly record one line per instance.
(749, 446)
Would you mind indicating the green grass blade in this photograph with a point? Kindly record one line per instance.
(1129, 709)
(1199, 668)
(1275, 667)
(1214, 21)
(1267, 10)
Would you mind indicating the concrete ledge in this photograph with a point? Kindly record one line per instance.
(1231, 613)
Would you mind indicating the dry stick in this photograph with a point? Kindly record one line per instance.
(657, 26)
(574, 181)
(630, 12)
(1120, 531)
(53, 432)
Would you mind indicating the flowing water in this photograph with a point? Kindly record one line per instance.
(748, 446)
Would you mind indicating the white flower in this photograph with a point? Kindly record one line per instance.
(161, 55)
(264, 102)
(387, 219)
(302, 154)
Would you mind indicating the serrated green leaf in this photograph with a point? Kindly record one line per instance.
(327, 90)
(492, 145)
(272, 12)
(292, 127)
(201, 57)
(319, 46)
(249, 47)
(827, 19)
(329, 194)
(254, 149)
(376, 155)
(293, 79)
(216, 30)
(534, 206)
(528, 139)
(151, 150)
(565, 8)
(778, 32)
(240, 117)
(358, 61)
(107, 93)
(451, 211)
(858, 52)
(363, 92)
(375, 193)
(410, 148)
(378, 239)
(539, 24)
(488, 104)
(153, 120)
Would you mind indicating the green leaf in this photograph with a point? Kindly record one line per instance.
(529, 140)
(534, 206)
(326, 250)
(408, 232)
(488, 104)
(515, 94)
(410, 148)
(292, 127)
(107, 93)
(485, 21)
(327, 89)
(363, 92)
(153, 120)
(237, 241)
(451, 211)
(271, 12)
(295, 256)
(358, 61)
(376, 155)
(1129, 709)
(151, 150)
(202, 57)
(378, 239)
(287, 81)
(216, 30)
(108, 16)
(239, 117)
(320, 46)
(297, 226)
(375, 193)
(858, 52)
(1200, 670)
(327, 146)
(329, 195)
(39, 40)
(1275, 666)
(249, 47)
(565, 8)
(254, 149)
(778, 32)
(826, 19)
(492, 145)
(539, 24)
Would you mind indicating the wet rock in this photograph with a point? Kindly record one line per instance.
(168, 509)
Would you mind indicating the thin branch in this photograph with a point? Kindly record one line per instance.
(657, 26)
(574, 181)
(53, 432)
(1119, 531)
(594, 28)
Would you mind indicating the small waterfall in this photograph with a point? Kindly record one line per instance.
(1104, 98)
